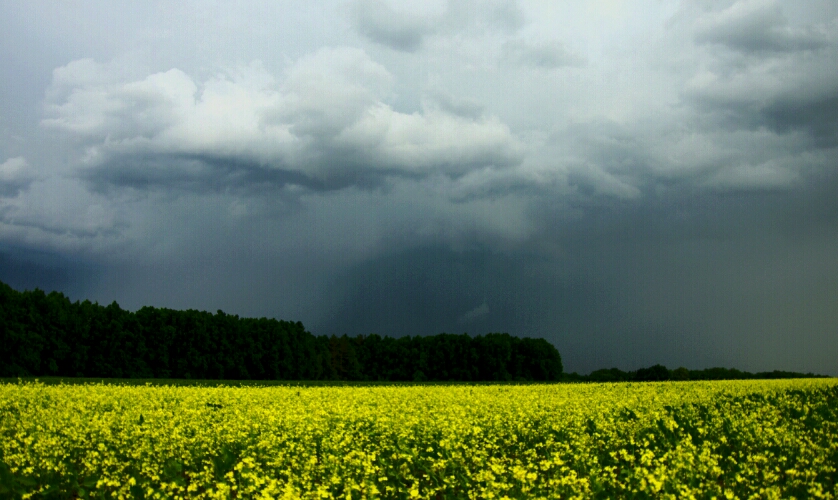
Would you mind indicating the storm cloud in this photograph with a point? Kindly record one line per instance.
(642, 184)
(324, 122)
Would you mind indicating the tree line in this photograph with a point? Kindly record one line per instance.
(660, 373)
(48, 335)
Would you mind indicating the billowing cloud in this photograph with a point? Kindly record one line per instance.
(325, 124)
(378, 21)
(757, 26)
(783, 96)
(15, 175)
(771, 73)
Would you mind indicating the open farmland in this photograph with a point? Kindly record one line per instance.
(731, 439)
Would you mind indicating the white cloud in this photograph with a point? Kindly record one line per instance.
(328, 114)
(474, 314)
(432, 141)
(544, 54)
(15, 175)
(330, 90)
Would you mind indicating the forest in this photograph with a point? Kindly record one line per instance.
(48, 335)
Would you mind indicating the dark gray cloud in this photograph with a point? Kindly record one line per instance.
(757, 27)
(206, 174)
(817, 117)
(785, 96)
(380, 23)
(771, 73)
(698, 279)
(27, 268)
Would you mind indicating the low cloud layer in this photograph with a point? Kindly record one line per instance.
(642, 185)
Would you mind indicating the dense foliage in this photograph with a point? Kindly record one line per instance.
(670, 440)
(48, 335)
(660, 373)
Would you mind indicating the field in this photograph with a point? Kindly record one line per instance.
(733, 439)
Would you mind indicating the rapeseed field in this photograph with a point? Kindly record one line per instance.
(731, 439)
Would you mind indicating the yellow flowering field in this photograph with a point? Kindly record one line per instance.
(731, 439)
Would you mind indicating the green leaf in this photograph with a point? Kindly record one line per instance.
(27, 481)
(90, 481)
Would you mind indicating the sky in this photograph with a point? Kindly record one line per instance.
(636, 182)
